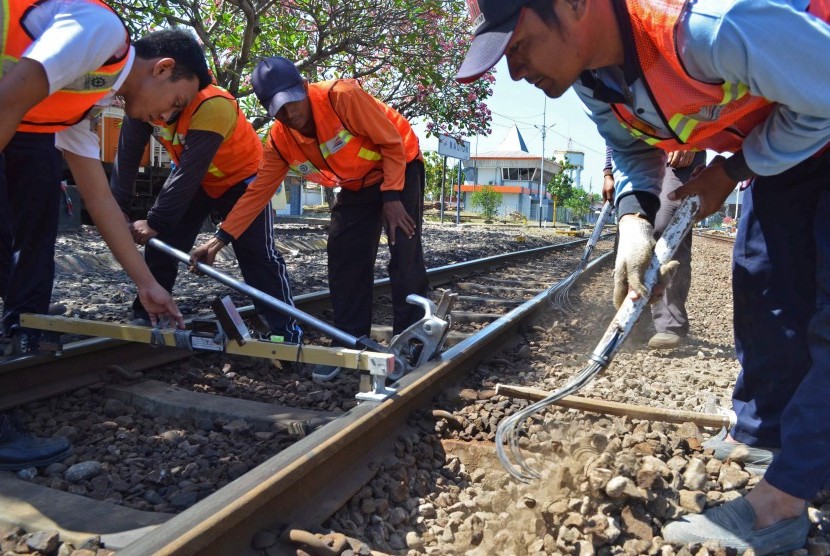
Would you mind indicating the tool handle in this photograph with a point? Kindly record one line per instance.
(282, 307)
(602, 220)
(628, 313)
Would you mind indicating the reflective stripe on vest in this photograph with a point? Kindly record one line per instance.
(683, 125)
(4, 29)
(640, 135)
(348, 158)
(238, 156)
(698, 115)
(214, 171)
(71, 104)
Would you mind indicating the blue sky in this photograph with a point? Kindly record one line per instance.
(522, 104)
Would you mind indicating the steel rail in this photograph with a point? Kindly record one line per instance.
(725, 239)
(84, 363)
(305, 483)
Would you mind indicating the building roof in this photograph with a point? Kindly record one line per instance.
(513, 146)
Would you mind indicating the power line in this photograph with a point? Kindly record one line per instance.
(515, 118)
(527, 126)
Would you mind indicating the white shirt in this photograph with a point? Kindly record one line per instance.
(73, 37)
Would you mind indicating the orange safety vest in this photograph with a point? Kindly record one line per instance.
(349, 158)
(238, 156)
(70, 105)
(699, 115)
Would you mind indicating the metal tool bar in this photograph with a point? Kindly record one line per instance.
(284, 308)
(602, 220)
(378, 364)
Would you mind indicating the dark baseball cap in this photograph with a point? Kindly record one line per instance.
(276, 81)
(495, 21)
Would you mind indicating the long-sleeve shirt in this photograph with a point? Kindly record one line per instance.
(609, 158)
(362, 116)
(212, 123)
(773, 47)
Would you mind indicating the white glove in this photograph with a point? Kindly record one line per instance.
(636, 245)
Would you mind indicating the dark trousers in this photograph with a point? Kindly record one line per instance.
(781, 289)
(30, 175)
(669, 312)
(261, 263)
(354, 236)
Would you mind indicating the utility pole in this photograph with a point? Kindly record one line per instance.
(544, 129)
(458, 198)
(443, 185)
(542, 164)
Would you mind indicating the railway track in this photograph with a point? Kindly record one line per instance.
(91, 362)
(269, 495)
(715, 237)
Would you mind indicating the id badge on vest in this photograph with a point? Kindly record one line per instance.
(336, 143)
(304, 168)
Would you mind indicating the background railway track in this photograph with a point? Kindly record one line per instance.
(715, 236)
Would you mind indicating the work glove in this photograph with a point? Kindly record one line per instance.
(636, 245)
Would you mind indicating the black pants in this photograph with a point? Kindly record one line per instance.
(354, 236)
(261, 264)
(30, 176)
(781, 292)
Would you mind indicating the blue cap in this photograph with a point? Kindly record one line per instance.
(276, 81)
(495, 21)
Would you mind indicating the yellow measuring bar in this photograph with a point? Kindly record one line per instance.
(373, 362)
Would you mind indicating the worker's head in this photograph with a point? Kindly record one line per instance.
(548, 43)
(282, 91)
(169, 69)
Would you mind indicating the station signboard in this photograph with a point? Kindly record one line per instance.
(448, 146)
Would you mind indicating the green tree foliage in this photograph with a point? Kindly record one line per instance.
(489, 200)
(579, 202)
(405, 52)
(561, 184)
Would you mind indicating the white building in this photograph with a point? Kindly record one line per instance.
(514, 172)
(575, 159)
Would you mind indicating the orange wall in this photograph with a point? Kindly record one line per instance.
(110, 128)
(503, 189)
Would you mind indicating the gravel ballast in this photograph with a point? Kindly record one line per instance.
(610, 483)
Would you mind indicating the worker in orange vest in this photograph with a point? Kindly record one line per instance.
(336, 134)
(216, 153)
(746, 77)
(61, 59)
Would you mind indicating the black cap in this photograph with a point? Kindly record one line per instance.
(495, 21)
(277, 81)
